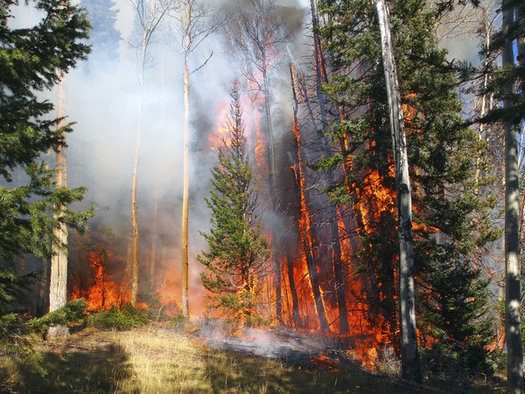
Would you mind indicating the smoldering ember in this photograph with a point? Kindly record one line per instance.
(261, 195)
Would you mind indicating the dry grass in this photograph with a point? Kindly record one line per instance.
(155, 360)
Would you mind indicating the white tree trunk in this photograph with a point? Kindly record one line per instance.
(186, 162)
(409, 357)
(58, 273)
(135, 236)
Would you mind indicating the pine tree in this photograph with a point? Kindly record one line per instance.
(508, 84)
(237, 248)
(31, 61)
(441, 155)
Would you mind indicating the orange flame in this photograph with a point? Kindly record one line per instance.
(220, 133)
(104, 293)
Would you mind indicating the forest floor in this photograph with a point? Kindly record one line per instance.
(155, 359)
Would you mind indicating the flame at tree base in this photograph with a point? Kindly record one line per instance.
(104, 293)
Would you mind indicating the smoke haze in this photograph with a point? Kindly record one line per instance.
(103, 97)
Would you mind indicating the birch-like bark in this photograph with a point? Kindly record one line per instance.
(134, 213)
(186, 158)
(512, 247)
(134, 204)
(271, 182)
(185, 193)
(149, 16)
(409, 356)
(483, 107)
(59, 261)
(191, 15)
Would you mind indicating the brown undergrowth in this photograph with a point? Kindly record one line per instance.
(155, 359)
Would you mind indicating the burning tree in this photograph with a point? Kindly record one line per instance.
(237, 249)
(450, 219)
(255, 29)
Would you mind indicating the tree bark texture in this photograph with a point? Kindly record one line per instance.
(186, 174)
(512, 245)
(409, 353)
(59, 261)
(305, 232)
(135, 236)
(332, 211)
(134, 215)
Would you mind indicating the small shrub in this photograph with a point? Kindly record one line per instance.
(155, 310)
(451, 362)
(123, 319)
(73, 312)
(178, 321)
(9, 323)
(387, 362)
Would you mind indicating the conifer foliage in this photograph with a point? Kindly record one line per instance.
(237, 248)
(104, 37)
(450, 218)
(32, 60)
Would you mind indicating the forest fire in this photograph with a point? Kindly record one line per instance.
(220, 134)
(104, 293)
(308, 289)
(375, 197)
(170, 290)
(342, 204)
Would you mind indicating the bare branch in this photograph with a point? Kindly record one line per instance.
(203, 64)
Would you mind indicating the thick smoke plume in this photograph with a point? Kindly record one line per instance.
(103, 97)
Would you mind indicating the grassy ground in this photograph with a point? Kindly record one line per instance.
(153, 360)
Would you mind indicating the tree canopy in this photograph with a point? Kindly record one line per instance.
(32, 61)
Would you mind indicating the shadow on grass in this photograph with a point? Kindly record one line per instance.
(79, 371)
(238, 372)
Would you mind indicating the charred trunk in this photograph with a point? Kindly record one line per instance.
(296, 316)
(321, 77)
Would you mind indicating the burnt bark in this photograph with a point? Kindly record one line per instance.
(296, 316)
(321, 77)
(306, 236)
